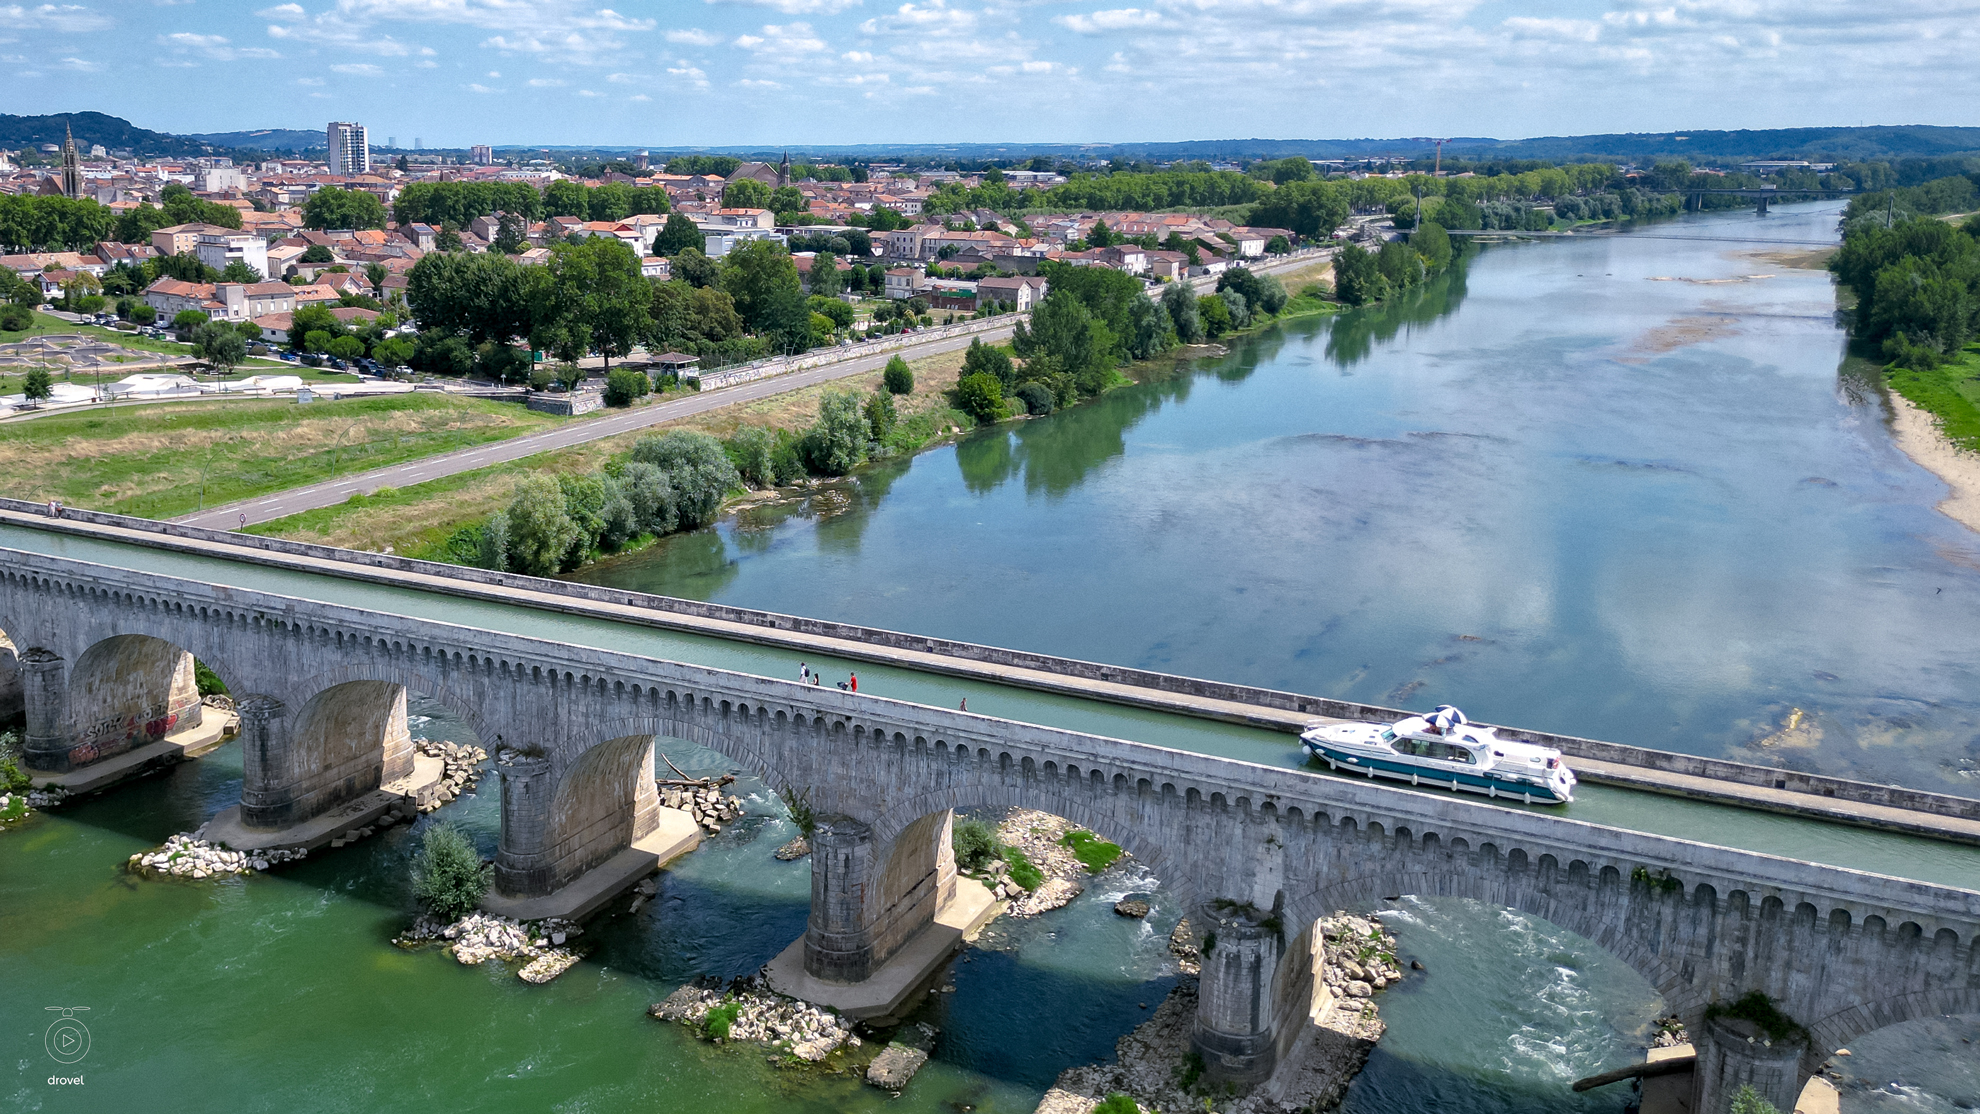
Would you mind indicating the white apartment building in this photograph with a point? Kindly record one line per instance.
(350, 149)
(218, 247)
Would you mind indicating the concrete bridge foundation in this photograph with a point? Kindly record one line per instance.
(1237, 1015)
(1734, 1054)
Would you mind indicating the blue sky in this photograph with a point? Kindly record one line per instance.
(714, 72)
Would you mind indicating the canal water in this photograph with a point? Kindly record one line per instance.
(1625, 489)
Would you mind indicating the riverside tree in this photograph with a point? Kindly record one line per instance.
(898, 378)
(449, 878)
(836, 443)
(697, 468)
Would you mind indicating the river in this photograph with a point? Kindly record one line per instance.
(1622, 488)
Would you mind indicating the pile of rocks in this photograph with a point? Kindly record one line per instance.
(480, 937)
(904, 1055)
(704, 800)
(794, 850)
(1670, 1033)
(1182, 945)
(47, 798)
(806, 1031)
(1037, 834)
(1360, 956)
(1149, 1063)
(187, 856)
(462, 769)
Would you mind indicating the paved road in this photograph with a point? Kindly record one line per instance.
(329, 493)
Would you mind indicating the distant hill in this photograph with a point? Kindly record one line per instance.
(1828, 144)
(268, 139)
(95, 127)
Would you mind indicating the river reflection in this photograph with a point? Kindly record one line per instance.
(1614, 487)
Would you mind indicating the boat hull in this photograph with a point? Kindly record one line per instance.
(1345, 760)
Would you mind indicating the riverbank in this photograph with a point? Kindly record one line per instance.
(1921, 437)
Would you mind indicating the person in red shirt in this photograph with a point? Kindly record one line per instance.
(855, 681)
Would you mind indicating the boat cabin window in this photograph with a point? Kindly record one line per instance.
(1431, 748)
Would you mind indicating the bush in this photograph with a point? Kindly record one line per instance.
(449, 878)
(880, 415)
(836, 443)
(696, 467)
(12, 778)
(540, 531)
(1117, 1103)
(753, 451)
(189, 319)
(719, 1020)
(1023, 871)
(1748, 1101)
(975, 845)
(651, 494)
(15, 319)
(1037, 398)
(623, 385)
(899, 378)
(981, 397)
(208, 682)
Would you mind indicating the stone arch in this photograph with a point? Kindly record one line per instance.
(917, 877)
(476, 713)
(1089, 811)
(345, 741)
(605, 801)
(1587, 912)
(12, 695)
(124, 692)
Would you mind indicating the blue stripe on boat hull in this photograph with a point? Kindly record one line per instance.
(1474, 783)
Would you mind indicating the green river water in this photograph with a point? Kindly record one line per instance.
(1614, 532)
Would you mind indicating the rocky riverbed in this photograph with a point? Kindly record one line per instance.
(461, 766)
(1154, 1064)
(1040, 836)
(750, 1011)
(480, 937)
(187, 856)
(703, 799)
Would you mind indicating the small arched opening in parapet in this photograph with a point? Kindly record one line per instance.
(130, 691)
(605, 802)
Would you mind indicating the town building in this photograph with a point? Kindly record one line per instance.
(350, 150)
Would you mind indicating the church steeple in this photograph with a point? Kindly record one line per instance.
(784, 170)
(72, 179)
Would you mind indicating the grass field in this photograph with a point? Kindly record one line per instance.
(1950, 393)
(415, 521)
(170, 459)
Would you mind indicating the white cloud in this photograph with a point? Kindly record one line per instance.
(283, 11)
(639, 97)
(546, 82)
(1117, 19)
(933, 17)
(476, 87)
(693, 36)
(567, 31)
(53, 17)
(756, 83)
(691, 74)
(786, 40)
(588, 93)
(858, 57)
(797, 7)
(1571, 30)
(309, 81)
(215, 47)
(80, 65)
(360, 69)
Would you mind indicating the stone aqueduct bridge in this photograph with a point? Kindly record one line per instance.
(1257, 853)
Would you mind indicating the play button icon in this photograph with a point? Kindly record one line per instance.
(68, 1039)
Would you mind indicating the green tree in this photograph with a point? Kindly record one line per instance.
(898, 378)
(696, 269)
(880, 415)
(1180, 306)
(981, 396)
(1433, 244)
(541, 532)
(316, 253)
(1101, 236)
(1149, 330)
(787, 200)
(763, 280)
(331, 207)
(623, 385)
(1071, 339)
(312, 319)
(1292, 169)
(220, 345)
(376, 274)
(1357, 281)
(836, 442)
(186, 320)
(679, 235)
(346, 347)
(595, 298)
(745, 193)
(696, 467)
(650, 493)
(38, 385)
(984, 359)
(1311, 209)
(565, 198)
(753, 451)
(1215, 313)
(511, 235)
(826, 282)
(238, 271)
(449, 878)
